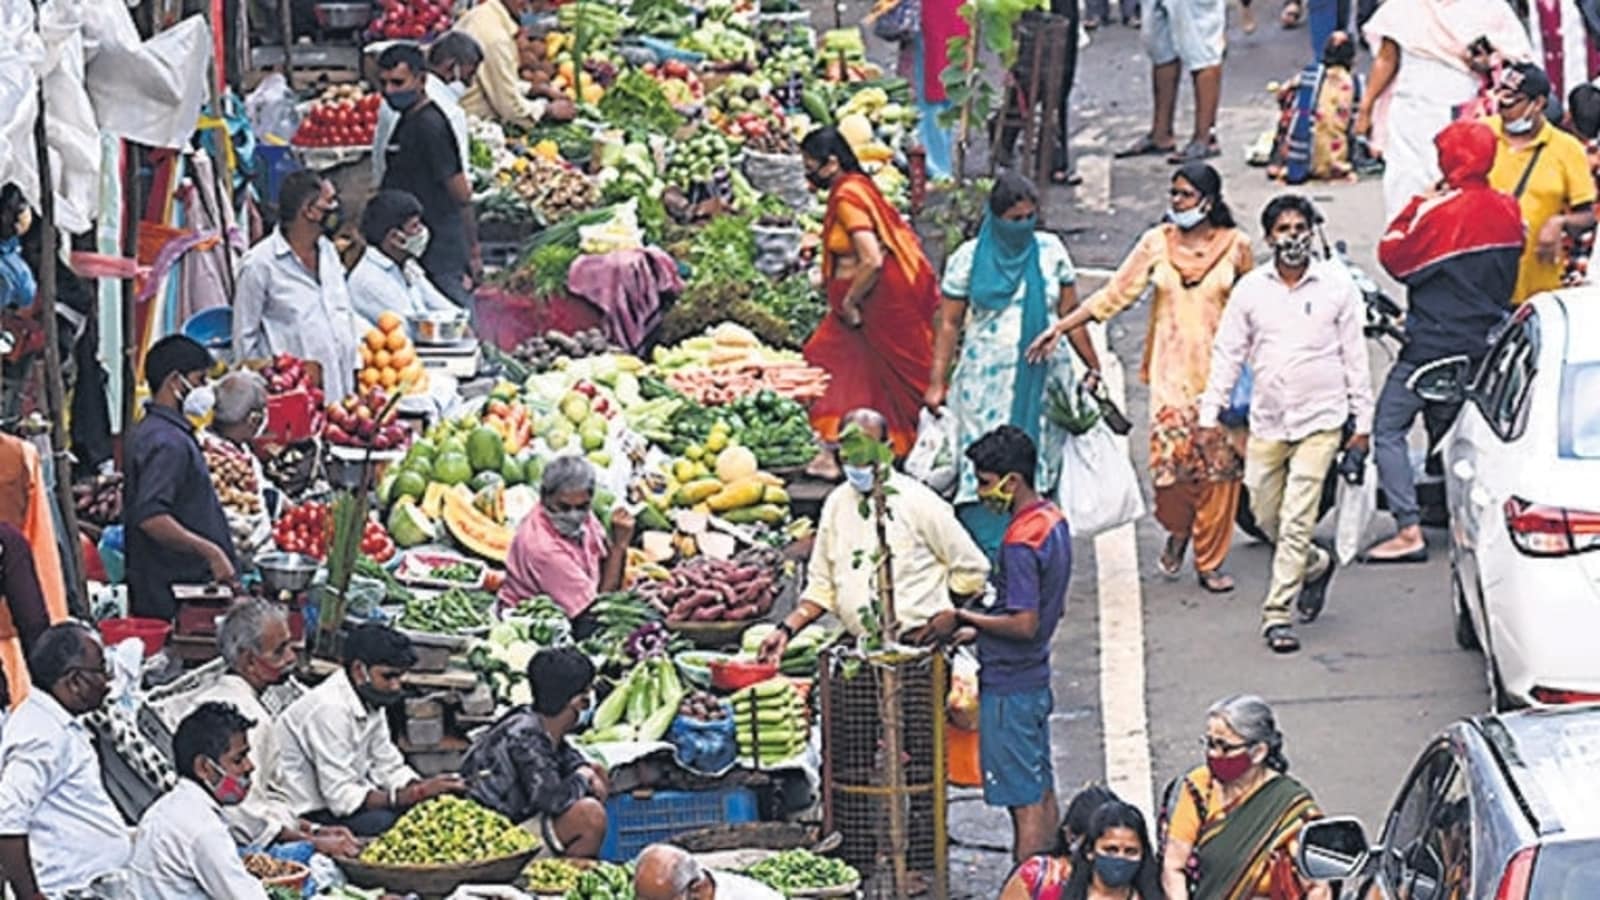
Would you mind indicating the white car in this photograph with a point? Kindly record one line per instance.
(1522, 472)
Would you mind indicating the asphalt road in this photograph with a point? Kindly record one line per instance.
(1379, 673)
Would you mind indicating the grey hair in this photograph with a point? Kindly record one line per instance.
(1251, 718)
(866, 417)
(242, 628)
(566, 473)
(457, 47)
(239, 393)
(686, 870)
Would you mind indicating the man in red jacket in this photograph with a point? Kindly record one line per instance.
(1456, 248)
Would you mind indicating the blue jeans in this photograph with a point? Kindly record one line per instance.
(1397, 409)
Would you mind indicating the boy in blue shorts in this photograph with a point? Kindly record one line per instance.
(1030, 580)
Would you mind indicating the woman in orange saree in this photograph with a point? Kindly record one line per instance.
(877, 341)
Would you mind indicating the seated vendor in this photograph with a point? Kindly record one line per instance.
(255, 643)
(498, 91)
(666, 872)
(339, 766)
(177, 532)
(524, 768)
(560, 548)
(389, 277)
(934, 556)
(240, 416)
(182, 849)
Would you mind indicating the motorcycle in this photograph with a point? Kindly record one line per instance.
(1384, 323)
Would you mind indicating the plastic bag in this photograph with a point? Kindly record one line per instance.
(932, 459)
(962, 704)
(271, 108)
(1355, 507)
(705, 747)
(1099, 489)
(1237, 413)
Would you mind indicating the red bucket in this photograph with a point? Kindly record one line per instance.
(153, 632)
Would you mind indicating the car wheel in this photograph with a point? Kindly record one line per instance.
(1466, 634)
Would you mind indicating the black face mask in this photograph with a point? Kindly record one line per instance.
(376, 698)
(331, 220)
(817, 179)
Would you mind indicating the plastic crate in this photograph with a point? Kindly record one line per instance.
(634, 821)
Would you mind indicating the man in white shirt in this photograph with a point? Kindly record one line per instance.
(933, 556)
(291, 296)
(453, 62)
(58, 826)
(389, 277)
(665, 872)
(339, 765)
(255, 643)
(183, 850)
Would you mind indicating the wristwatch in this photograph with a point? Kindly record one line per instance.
(788, 632)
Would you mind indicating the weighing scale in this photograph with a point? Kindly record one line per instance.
(459, 359)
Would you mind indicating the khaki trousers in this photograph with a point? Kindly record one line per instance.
(1285, 483)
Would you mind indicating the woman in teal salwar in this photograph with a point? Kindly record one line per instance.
(1002, 290)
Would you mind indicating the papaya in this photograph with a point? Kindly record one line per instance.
(433, 499)
(775, 494)
(696, 491)
(746, 492)
(473, 530)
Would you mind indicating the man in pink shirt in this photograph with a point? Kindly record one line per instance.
(561, 550)
(1297, 324)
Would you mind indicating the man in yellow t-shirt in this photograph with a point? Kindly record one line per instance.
(1546, 169)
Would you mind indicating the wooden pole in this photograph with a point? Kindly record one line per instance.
(964, 129)
(889, 691)
(54, 390)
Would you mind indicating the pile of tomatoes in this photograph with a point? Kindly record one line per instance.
(308, 528)
(343, 117)
(412, 19)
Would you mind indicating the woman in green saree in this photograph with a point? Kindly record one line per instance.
(1232, 824)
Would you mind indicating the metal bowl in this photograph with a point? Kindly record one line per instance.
(437, 327)
(343, 16)
(286, 571)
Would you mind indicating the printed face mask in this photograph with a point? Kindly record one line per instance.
(229, 790)
(1293, 251)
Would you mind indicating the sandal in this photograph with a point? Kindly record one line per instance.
(1068, 177)
(1216, 581)
(1091, 23)
(1171, 560)
(1293, 15)
(1145, 146)
(1281, 639)
(1195, 151)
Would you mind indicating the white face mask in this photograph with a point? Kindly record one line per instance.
(1186, 219)
(415, 243)
(457, 88)
(1519, 126)
(198, 403)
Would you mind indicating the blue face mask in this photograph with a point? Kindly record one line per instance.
(400, 101)
(529, 19)
(1186, 219)
(586, 717)
(1014, 234)
(1115, 871)
(860, 477)
(17, 284)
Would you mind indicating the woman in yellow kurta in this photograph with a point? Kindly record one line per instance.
(1192, 262)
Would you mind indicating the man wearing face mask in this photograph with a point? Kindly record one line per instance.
(453, 61)
(389, 277)
(1297, 324)
(182, 849)
(291, 296)
(1545, 169)
(58, 826)
(255, 642)
(526, 769)
(1014, 637)
(934, 556)
(177, 532)
(425, 162)
(339, 764)
(561, 549)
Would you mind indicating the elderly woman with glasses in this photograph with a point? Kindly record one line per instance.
(1234, 821)
(561, 549)
(1190, 262)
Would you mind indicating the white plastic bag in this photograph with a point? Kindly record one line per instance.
(932, 459)
(1355, 507)
(1099, 489)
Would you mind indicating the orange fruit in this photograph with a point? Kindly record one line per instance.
(369, 377)
(402, 357)
(375, 339)
(381, 359)
(366, 355)
(389, 378)
(398, 339)
(389, 322)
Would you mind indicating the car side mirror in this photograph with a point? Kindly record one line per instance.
(1443, 380)
(1332, 849)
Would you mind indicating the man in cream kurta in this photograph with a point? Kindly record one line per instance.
(932, 558)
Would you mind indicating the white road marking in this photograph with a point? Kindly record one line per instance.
(1122, 677)
(1094, 194)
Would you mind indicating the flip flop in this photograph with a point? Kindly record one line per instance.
(1145, 146)
(1314, 593)
(1067, 177)
(1419, 555)
(1215, 581)
(1281, 639)
(1170, 562)
(1195, 151)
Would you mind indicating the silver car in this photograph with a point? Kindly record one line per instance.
(1522, 478)
(1498, 806)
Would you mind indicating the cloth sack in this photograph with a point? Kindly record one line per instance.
(1099, 489)
(1355, 507)
(932, 459)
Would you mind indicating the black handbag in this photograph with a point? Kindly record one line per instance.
(899, 23)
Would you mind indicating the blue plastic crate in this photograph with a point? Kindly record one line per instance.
(634, 822)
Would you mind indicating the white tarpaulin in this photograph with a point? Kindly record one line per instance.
(98, 77)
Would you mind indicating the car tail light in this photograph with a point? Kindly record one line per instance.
(1541, 530)
(1557, 696)
(1518, 875)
